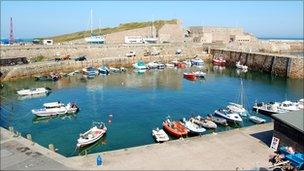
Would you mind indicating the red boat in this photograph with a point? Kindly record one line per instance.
(181, 65)
(218, 61)
(174, 128)
(190, 76)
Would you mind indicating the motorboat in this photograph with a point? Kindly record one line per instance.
(217, 120)
(219, 61)
(240, 66)
(103, 70)
(90, 71)
(193, 127)
(169, 65)
(300, 104)
(34, 91)
(92, 135)
(268, 108)
(114, 70)
(199, 74)
(139, 65)
(188, 63)
(190, 76)
(288, 105)
(55, 108)
(152, 65)
(257, 119)
(237, 108)
(204, 122)
(160, 135)
(175, 128)
(161, 65)
(181, 65)
(197, 62)
(229, 115)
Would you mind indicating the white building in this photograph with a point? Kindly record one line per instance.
(47, 42)
(133, 39)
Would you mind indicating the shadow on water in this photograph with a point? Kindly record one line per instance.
(89, 148)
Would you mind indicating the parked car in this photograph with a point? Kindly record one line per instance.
(80, 58)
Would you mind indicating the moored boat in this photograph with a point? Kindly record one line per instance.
(175, 128)
(193, 127)
(199, 74)
(92, 135)
(55, 108)
(90, 71)
(204, 122)
(34, 91)
(240, 66)
(139, 65)
(237, 108)
(197, 61)
(190, 76)
(160, 135)
(114, 70)
(103, 70)
(219, 61)
(169, 65)
(268, 108)
(229, 115)
(217, 120)
(288, 105)
(257, 119)
(300, 104)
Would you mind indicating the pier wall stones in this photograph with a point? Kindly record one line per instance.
(279, 65)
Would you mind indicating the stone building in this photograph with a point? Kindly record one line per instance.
(171, 33)
(207, 34)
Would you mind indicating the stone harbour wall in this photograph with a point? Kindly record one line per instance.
(279, 65)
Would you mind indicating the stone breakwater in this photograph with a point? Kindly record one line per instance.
(33, 69)
(279, 65)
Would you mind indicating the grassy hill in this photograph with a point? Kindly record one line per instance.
(122, 27)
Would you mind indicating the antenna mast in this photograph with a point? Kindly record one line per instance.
(91, 22)
(11, 35)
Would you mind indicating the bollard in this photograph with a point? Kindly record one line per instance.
(99, 160)
(51, 147)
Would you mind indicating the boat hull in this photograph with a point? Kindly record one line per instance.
(178, 131)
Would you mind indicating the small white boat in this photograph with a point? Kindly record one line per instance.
(139, 65)
(103, 70)
(229, 115)
(199, 74)
(204, 122)
(33, 91)
(288, 105)
(257, 120)
(197, 61)
(152, 65)
(90, 71)
(160, 135)
(169, 65)
(300, 104)
(188, 63)
(92, 135)
(240, 66)
(55, 108)
(114, 70)
(217, 120)
(237, 108)
(193, 127)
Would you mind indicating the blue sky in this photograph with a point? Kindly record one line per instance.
(44, 18)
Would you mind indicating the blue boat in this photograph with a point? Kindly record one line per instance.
(103, 70)
(296, 159)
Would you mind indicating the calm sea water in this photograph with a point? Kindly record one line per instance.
(138, 104)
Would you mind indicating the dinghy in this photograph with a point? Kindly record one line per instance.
(204, 122)
(34, 91)
(256, 119)
(55, 108)
(160, 135)
(229, 115)
(189, 76)
(92, 135)
(175, 128)
(193, 127)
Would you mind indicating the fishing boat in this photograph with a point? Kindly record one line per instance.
(92, 135)
(160, 135)
(199, 74)
(175, 128)
(219, 61)
(197, 62)
(257, 119)
(90, 71)
(190, 76)
(217, 120)
(193, 127)
(288, 105)
(34, 91)
(204, 122)
(139, 65)
(268, 108)
(240, 66)
(239, 108)
(55, 108)
(103, 70)
(229, 115)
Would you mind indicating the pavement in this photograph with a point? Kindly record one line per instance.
(238, 149)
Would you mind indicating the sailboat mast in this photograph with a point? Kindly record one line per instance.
(91, 22)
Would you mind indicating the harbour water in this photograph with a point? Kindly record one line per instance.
(137, 102)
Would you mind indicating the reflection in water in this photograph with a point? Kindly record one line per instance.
(37, 120)
(87, 149)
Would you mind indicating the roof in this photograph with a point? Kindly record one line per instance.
(293, 119)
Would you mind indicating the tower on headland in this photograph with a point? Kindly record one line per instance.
(11, 34)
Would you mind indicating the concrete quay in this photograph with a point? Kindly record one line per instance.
(242, 149)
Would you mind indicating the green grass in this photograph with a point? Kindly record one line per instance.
(122, 27)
